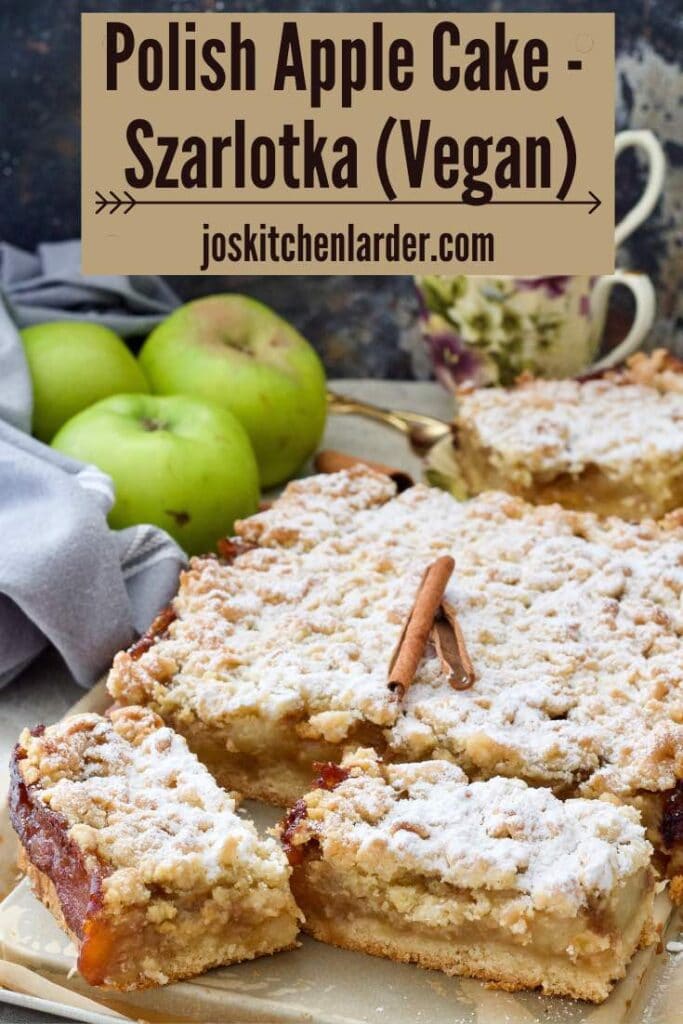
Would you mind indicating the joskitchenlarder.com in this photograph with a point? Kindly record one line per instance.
(266, 243)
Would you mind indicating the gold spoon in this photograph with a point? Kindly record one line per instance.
(421, 432)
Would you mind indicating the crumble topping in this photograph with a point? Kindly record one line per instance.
(573, 625)
(318, 507)
(549, 427)
(426, 819)
(140, 804)
(304, 627)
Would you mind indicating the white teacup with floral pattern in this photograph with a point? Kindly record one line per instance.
(488, 330)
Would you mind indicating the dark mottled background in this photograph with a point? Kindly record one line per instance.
(363, 326)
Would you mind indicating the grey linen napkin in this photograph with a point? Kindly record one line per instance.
(48, 285)
(65, 577)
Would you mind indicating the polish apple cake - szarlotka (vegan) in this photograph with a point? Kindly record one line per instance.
(492, 879)
(612, 444)
(281, 654)
(140, 856)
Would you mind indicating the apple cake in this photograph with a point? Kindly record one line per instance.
(140, 856)
(493, 879)
(283, 652)
(611, 444)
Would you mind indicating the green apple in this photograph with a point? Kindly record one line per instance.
(237, 352)
(178, 462)
(72, 366)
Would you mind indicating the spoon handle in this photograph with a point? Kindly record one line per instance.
(406, 422)
(344, 405)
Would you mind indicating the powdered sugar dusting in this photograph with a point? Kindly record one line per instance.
(426, 819)
(573, 625)
(136, 799)
(317, 507)
(550, 427)
(299, 628)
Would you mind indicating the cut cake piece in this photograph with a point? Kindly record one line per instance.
(493, 880)
(611, 444)
(140, 856)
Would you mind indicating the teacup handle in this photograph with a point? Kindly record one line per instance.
(644, 294)
(651, 146)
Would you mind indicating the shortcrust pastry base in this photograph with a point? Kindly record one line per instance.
(502, 966)
(246, 942)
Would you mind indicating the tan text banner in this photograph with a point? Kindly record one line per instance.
(348, 143)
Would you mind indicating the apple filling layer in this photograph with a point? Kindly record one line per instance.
(140, 856)
(612, 445)
(491, 879)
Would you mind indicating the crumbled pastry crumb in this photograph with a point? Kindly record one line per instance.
(396, 822)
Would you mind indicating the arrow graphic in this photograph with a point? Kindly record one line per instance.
(116, 203)
(596, 202)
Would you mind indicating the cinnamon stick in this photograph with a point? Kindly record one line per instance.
(329, 461)
(451, 648)
(411, 646)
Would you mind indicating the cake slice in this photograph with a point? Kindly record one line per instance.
(140, 856)
(493, 880)
(610, 444)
